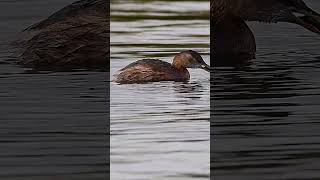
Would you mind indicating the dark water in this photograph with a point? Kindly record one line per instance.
(266, 116)
(52, 125)
(266, 122)
(159, 130)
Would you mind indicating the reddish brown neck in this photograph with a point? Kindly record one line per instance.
(178, 63)
(179, 68)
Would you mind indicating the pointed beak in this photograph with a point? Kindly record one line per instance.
(206, 67)
(310, 21)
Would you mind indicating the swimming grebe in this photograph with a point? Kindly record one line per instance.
(152, 70)
(232, 40)
(75, 37)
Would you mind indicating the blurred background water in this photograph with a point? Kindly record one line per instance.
(159, 130)
(266, 122)
(53, 124)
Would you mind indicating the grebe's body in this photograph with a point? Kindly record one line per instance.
(232, 40)
(77, 36)
(152, 70)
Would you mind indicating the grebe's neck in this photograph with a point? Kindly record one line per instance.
(178, 62)
(232, 39)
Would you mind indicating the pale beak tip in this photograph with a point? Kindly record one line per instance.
(206, 68)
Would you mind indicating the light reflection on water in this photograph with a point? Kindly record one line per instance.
(159, 130)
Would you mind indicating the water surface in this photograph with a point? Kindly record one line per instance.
(53, 124)
(159, 130)
(266, 116)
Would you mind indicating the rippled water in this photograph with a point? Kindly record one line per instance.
(266, 116)
(159, 130)
(53, 125)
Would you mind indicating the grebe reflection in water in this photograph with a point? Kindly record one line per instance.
(153, 70)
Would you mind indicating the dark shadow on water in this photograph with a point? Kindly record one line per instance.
(188, 87)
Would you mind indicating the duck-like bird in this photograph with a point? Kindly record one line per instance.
(77, 36)
(232, 40)
(154, 70)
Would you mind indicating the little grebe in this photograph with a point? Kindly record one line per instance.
(153, 70)
(233, 42)
(76, 37)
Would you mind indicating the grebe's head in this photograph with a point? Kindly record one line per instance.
(190, 59)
